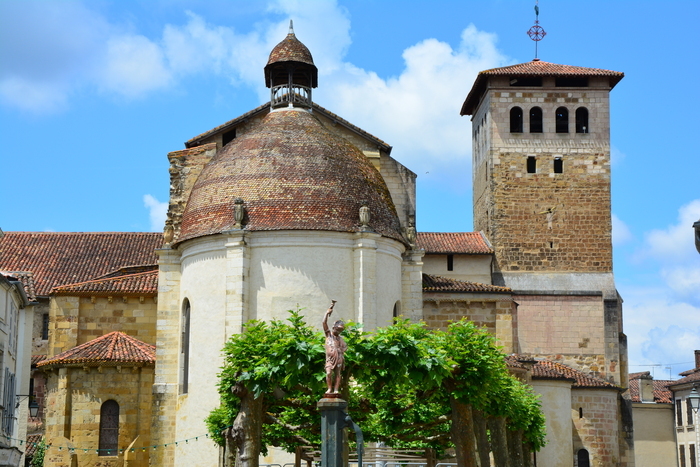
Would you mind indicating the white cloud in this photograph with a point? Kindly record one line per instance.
(157, 212)
(676, 242)
(620, 232)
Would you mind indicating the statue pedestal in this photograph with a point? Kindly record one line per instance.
(332, 424)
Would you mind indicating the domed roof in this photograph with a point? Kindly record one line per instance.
(292, 174)
(290, 50)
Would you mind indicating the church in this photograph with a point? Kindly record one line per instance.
(291, 205)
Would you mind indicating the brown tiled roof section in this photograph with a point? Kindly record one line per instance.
(265, 108)
(545, 369)
(36, 359)
(58, 258)
(662, 395)
(470, 243)
(110, 349)
(292, 174)
(27, 281)
(433, 283)
(32, 445)
(290, 50)
(142, 283)
(533, 68)
(691, 376)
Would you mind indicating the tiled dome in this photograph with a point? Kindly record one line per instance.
(292, 174)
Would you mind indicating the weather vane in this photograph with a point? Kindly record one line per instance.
(536, 32)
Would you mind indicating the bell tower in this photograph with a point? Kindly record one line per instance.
(541, 167)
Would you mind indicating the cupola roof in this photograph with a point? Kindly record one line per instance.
(290, 53)
(292, 174)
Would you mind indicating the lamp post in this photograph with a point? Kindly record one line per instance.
(694, 400)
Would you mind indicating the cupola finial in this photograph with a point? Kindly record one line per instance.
(291, 27)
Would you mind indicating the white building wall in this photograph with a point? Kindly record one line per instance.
(556, 405)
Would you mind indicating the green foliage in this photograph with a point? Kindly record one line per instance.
(39, 453)
(400, 379)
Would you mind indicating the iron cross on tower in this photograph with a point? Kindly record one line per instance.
(536, 32)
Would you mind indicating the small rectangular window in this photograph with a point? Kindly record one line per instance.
(564, 82)
(531, 164)
(691, 455)
(450, 262)
(535, 81)
(45, 326)
(558, 165)
(688, 412)
(228, 137)
(679, 413)
(681, 452)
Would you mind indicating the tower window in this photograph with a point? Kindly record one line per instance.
(516, 120)
(558, 165)
(531, 164)
(450, 262)
(582, 120)
(580, 412)
(562, 120)
(568, 82)
(228, 137)
(45, 326)
(582, 458)
(185, 348)
(535, 81)
(109, 429)
(535, 120)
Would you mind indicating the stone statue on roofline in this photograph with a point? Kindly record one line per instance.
(696, 226)
(335, 352)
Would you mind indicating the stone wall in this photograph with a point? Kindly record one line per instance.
(74, 400)
(76, 320)
(595, 414)
(494, 312)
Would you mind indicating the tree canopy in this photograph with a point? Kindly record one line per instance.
(404, 382)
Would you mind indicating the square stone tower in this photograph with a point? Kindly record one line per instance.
(541, 181)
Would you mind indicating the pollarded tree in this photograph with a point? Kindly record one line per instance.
(410, 387)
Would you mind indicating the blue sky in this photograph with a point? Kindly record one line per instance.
(94, 94)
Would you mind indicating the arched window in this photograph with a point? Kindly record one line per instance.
(109, 429)
(582, 458)
(185, 348)
(535, 120)
(562, 120)
(397, 309)
(516, 120)
(582, 120)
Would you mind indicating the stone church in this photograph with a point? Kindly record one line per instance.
(291, 205)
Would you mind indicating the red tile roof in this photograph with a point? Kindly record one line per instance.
(545, 369)
(691, 376)
(58, 258)
(27, 281)
(108, 350)
(662, 395)
(444, 284)
(470, 243)
(292, 174)
(533, 68)
(32, 444)
(290, 50)
(142, 283)
(36, 359)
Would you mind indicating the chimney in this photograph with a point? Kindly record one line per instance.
(697, 359)
(646, 387)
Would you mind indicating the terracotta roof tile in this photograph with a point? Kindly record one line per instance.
(36, 359)
(545, 369)
(533, 68)
(662, 395)
(265, 108)
(470, 243)
(27, 280)
(290, 50)
(292, 174)
(108, 350)
(433, 283)
(141, 283)
(693, 376)
(32, 445)
(58, 258)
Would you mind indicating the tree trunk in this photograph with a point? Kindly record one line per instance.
(482, 437)
(463, 437)
(515, 448)
(243, 439)
(499, 441)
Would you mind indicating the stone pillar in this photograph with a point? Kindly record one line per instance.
(365, 264)
(237, 280)
(332, 424)
(166, 383)
(412, 285)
